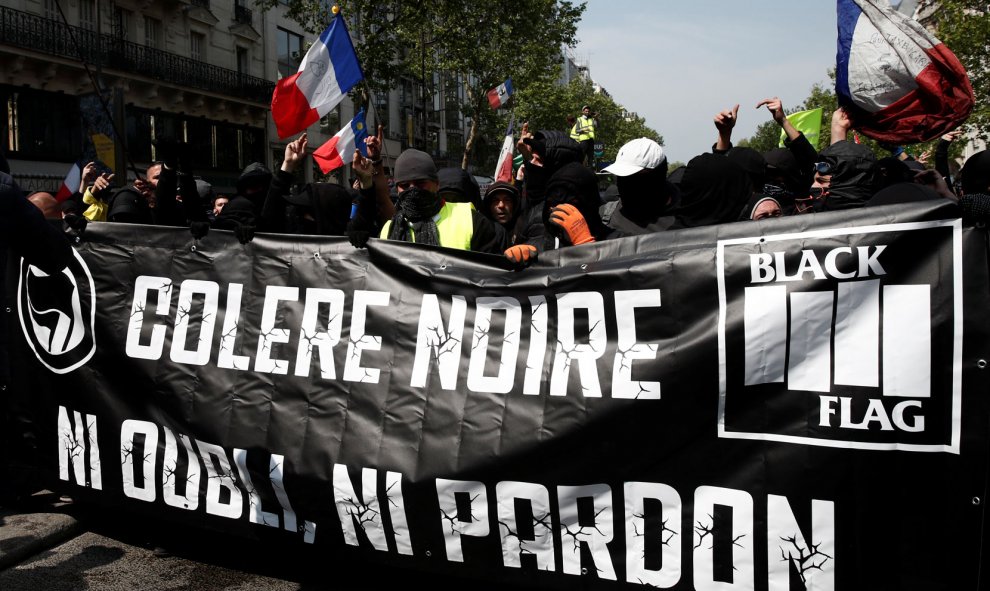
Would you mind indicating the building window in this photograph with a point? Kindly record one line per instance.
(242, 61)
(51, 10)
(197, 46)
(152, 32)
(289, 51)
(87, 14)
(121, 22)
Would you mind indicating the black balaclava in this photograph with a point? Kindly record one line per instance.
(645, 195)
(975, 173)
(576, 185)
(713, 191)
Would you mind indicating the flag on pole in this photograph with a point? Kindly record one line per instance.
(807, 122)
(503, 170)
(339, 150)
(898, 83)
(499, 95)
(71, 183)
(328, 71)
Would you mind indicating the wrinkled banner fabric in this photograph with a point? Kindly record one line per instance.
(749, 406)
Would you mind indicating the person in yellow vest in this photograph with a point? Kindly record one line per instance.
(584, 129)
(423, 217)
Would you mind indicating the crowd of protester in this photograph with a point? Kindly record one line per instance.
(553, 202)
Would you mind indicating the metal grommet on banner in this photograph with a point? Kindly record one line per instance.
(192, 248)
(976, 500)
(443, 266)
(584, 570)
(428, 554)
(3, 388)
(584, 266)
(316, 255)
(763, 239)
(8, 309)
(78, 240)
(982, 364)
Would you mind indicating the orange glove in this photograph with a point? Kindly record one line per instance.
(570, 219)
(522, 254)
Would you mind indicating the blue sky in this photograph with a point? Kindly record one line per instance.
(679, 62)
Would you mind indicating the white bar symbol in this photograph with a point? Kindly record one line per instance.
(907, 340)
(857, 334)
(765, 323)
(810, 363)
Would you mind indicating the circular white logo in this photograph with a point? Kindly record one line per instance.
(58, 314)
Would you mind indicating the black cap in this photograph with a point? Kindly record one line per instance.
(414, 165)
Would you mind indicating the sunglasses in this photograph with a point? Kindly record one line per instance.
(823, 168)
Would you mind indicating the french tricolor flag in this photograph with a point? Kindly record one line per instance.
(499, 95)
(898, 83)
(327, 72)
(503, 170)
(70, 184)
(339, 150)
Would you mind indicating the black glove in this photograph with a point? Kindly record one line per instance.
(357, 234)
(244, 233)
(199, 229)
(74, 225)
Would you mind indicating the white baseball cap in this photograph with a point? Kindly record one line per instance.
(636, 155)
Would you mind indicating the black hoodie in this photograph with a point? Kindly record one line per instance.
(852, 175)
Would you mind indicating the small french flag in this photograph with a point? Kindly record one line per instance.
(503, 170)
(499, 95)
(328, 71)
(339, 150)
(71, 183)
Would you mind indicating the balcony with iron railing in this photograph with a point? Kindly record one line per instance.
(43, 35)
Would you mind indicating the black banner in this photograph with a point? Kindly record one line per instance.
(784, 405)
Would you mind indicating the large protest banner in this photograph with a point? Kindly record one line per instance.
(784, 405)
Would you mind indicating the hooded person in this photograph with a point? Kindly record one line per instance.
(424, 217)
(785, 180)
(321, 208)
(501, 204)
(570, 214)
(645, 195)
(974, 181)
(129, 206)
(852, 167)
(459, 186)
(713, 191)
(253, 183)
(24, 232)
(551, 150)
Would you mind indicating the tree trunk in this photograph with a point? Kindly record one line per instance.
(469, 144)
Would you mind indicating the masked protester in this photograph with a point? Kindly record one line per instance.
(645, 196)
(544, 153)
(459, 186)
(713, 191)
(570, 214)
(321, 209)
(424, 217)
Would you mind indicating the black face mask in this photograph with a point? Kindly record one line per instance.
(642, 194)
(418, 204)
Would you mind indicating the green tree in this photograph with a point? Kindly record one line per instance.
(546, 106)
(482, 42)
(964, 27)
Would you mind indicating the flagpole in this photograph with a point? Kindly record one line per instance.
(378, 120)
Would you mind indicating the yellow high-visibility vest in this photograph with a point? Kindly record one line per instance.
(455, 225)
(585, 128)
